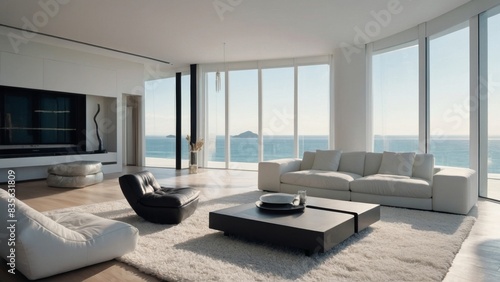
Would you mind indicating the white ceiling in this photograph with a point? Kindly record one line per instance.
(193, 31)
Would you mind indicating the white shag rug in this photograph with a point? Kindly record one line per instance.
(405, 245)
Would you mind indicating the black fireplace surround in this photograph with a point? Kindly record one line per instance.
(41, 123)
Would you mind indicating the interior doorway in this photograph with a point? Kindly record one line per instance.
(131, 132)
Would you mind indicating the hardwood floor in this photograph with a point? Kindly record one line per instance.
(478, 259)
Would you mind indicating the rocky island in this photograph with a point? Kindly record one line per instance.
(246, 134)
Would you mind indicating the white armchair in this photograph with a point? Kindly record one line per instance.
(60, 242)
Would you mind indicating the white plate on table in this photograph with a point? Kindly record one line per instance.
(280, 207)
(277, 198)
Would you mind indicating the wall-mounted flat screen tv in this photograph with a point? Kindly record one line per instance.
(40, 122)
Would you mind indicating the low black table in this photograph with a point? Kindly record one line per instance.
(323, 224)
(364, 214)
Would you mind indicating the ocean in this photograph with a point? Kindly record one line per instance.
(447, 152)
(242, 149)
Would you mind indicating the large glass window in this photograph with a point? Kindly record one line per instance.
(215, 122)
(395, 99)
(243, 119)
(313, 107)
(490, 82)
(278, 113)
(291, 120)
(160, 122)
(448, 81)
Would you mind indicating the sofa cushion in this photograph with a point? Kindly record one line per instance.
(334, 180)
(353, 162)
(372, 163)
(307, 160)
(169, 197)
(397, 163)
(392, 185)
(423, 167)
(327, 160)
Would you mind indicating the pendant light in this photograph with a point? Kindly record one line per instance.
(217, 74)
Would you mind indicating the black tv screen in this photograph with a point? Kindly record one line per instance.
(35, 120)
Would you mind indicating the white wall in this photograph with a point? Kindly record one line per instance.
(49, 64)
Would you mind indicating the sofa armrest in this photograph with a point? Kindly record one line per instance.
(454, 190)
(270, 172)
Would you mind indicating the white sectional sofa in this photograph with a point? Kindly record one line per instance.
(393, 179)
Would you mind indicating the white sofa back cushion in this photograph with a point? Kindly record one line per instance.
(423, 167)
(353, 162)
(307, 160)
(397, 163)
(327, 160)
(372, 163)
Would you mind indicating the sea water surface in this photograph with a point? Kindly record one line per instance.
(447, 152)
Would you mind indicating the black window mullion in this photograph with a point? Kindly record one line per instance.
(178, 120)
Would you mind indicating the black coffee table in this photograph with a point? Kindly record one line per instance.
(364, 214)
(323, 224)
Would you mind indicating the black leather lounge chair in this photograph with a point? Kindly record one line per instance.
(155, 203)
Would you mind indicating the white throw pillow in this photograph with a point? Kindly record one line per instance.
(397, 163)
(307, 160)
(327, 160)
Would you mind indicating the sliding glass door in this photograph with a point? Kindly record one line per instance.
(490, 94)
(215, 121)
(395, 127)
(277, 113)
(243, 119)
(313, 107)
(448, 78)
(265, 111)
(160, 122)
